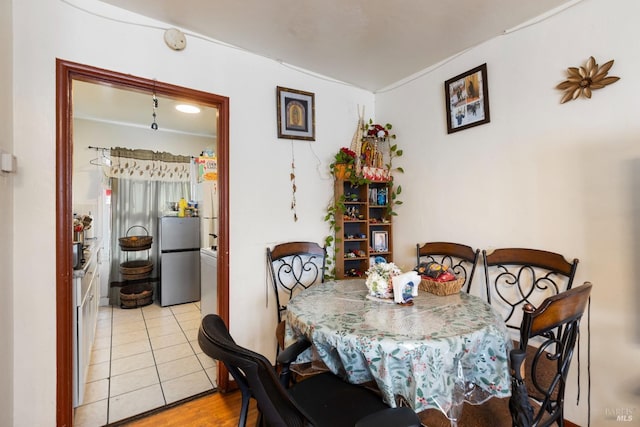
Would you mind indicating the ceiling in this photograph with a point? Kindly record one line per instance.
(367, 43)
(129, 108)
(370, 44)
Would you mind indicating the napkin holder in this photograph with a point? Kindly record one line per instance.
(405, 287)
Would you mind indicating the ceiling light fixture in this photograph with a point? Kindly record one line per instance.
(189, 109)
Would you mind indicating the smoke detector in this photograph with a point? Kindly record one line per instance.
(175, 39)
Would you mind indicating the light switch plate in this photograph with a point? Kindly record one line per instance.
(8, 162)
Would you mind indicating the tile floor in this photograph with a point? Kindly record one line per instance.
(142, 359)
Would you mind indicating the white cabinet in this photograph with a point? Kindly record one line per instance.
(86, 296)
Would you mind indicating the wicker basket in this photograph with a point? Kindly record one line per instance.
(135, 243)
(133, 296)
(132, 270)
(441, 288)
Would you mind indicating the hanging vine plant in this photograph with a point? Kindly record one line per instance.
(360, 173)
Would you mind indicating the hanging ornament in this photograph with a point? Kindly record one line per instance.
(154, 125)
(292, 176)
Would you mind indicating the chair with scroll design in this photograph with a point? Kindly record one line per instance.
(516, 276)
(321, 400)
(462, 259)
(293, 266)
(537, 399)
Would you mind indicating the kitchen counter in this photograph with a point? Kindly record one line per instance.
(86, 295)
(90, 252)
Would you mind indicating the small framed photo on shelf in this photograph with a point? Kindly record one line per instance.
(296, 114)
(380, 241)
(467, 99)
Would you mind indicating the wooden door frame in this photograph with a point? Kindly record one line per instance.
(66, 72)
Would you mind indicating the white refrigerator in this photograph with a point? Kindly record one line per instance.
(179, 260)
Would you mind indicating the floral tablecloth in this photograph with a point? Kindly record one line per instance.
(433, 354)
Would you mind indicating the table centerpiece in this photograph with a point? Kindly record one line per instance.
(385, 281)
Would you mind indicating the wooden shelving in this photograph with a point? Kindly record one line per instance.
(364, 226)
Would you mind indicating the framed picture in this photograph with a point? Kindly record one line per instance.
(380, 241)
(296, 114)
(467, 99)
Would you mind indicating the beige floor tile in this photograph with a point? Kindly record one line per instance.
(206, 361)
(139, 401)
(129, 337)
(190, 324)
(126, 327)
(174, 352)
(212, 373)
(104, 332)
(161, 321)
(100, 355)
(95, 391)
(124, 364)
(100, 343)
(178, 368)
(125, 350)
(189, 315)
(133, 380)
(120, 316)
(168, 340)
(186, 386)
(155, 311)
(103, 324)
(98, 371)
(191, 334)
(91, 415)
(132, 363)
(164, 330)
(185, 308)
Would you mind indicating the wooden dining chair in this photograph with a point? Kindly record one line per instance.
(323, 400)
(537, 397)
(462, 259)
(516, 276)
(293, 266)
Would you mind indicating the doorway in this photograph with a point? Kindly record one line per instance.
(67, 72)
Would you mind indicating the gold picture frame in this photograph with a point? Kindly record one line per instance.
(296, 114)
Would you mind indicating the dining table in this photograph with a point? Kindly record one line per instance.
(437, 352)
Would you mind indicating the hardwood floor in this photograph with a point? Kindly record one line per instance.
(223, 410)
(216, 409)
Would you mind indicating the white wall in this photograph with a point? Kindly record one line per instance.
(6, 217)
(259, 168)
(565, 178)
(560, 177)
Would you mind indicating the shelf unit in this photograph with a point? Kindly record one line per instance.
(364, 215)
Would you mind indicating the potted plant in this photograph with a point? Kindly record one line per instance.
(342, 166)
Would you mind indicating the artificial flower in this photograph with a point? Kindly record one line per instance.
(345, 155)
(583, 80)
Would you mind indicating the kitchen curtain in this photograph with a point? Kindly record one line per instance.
(143, 182)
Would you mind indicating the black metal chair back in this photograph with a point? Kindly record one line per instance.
(462, 259)
(515, 277)
(555, 324)
(252, 372)
(294, 266)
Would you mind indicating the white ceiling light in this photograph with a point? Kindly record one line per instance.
(189, 109)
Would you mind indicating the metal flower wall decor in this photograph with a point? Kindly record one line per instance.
(583, 80)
